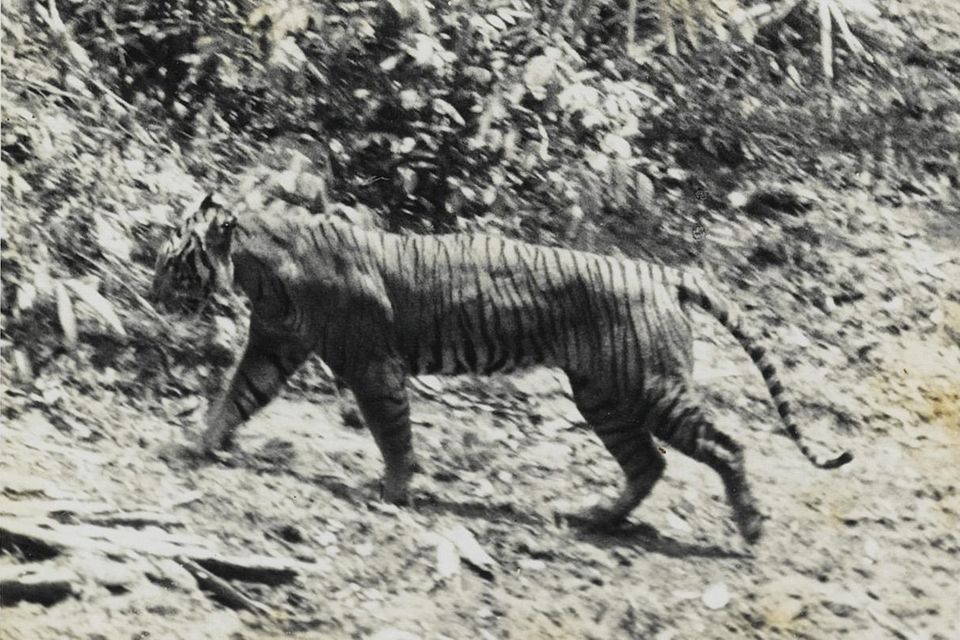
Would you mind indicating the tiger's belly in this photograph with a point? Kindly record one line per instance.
(601, 349)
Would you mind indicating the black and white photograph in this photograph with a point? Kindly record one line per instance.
(480, 319)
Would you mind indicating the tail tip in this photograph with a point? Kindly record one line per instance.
(839, 461)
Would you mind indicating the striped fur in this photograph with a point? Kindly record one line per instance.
(380, 307)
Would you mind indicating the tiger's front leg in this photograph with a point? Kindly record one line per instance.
(267, 362)
(381, 393)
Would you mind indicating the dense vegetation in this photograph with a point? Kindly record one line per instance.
(499, 114)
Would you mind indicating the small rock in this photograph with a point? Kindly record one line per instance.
(531, 564)
(448, 560)
(471, 551)
(737, 199)
(716, 596)
(872, 549)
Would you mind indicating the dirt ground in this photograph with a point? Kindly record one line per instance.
(871, 550)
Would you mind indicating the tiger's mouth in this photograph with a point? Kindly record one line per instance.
(170, 295)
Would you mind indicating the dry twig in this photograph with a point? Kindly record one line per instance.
(223, 590)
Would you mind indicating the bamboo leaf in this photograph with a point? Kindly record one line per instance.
(68, 320)
(101, 306)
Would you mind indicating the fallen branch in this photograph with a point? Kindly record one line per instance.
(37, 583)
(265, 569)
(223, 590)
(56, 538)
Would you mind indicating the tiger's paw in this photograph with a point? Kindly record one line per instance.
(390, 492)
(177, 453)
(595, 519)
(395, 486)
(750, 523)
(180, 456)
(214, 443)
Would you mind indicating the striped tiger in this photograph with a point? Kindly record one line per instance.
(379, 307)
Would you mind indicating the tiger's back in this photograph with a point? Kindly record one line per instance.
(475, 303)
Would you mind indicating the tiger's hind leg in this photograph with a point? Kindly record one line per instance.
(642, 464)
(680, 420)
(267, 362)
(381, 393)
(620, 426)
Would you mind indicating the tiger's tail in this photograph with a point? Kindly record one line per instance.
(692, 287)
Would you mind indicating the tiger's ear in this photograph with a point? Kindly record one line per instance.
(209, 202)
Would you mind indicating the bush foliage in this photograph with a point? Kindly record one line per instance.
(465, 114)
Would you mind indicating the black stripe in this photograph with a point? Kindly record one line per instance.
(478, 270)
(414, 320)
(451, 287)
(585, 325)
(784, 410)
(566, 331)
(362, 256)
(259, 395)
(335, 228)
(508, 341)
(464, 323)
(277, 361)
(649, 362)
(495, 359)
(401, 246)
(436, 346)
(624, 348)
(673, 317)
(520, 307)
(244, 413)
(540, 290)
(469, 351)
(595, 271)
(610, 291)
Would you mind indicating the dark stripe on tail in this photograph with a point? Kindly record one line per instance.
(692, 288)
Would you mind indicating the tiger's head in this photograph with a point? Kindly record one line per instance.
(194, 262)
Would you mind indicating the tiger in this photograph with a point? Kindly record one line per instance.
(379, 308)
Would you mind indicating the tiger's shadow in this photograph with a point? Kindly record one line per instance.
(644, 537)
(639, 536)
